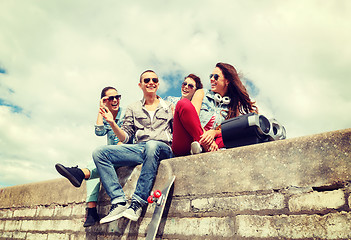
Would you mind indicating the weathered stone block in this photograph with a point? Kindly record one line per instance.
(6, 235)
(58, 236)
(177, 206)
(61, 211)
(43, 211)
(36, 236)
(19, 235)
(13, 225)
(239, 203)
(329, 226)
(211, 226)
(79, 210)
(317, 201)
(2, 225)
(6, 213)
(74, 225)
(80, 236)
(25, 212)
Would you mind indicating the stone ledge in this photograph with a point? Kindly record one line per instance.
(42, 193)
(310, 161)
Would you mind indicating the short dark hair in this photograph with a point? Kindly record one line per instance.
(146, 72)
(103, 92)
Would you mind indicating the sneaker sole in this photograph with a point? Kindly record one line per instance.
(110, 219)
(90, 224)
(61, 169)
(131, 218)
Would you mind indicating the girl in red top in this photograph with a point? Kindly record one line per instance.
(196, 126)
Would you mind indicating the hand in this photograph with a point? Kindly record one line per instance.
(207, 137)
(105, 112)
(103, 101)
(213, 147)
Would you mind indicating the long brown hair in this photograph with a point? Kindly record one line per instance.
(240, 102)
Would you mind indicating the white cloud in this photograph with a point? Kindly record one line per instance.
(58, 56)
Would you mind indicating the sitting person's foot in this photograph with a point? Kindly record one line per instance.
(133, 212)
(74, 174)
(92, 217)
(115, 213)
(195, 148)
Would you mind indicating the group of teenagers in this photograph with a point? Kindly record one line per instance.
(154, 129)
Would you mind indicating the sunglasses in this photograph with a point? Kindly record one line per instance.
(147, 80)
(111, 98)
(215, 76)
(191, 86)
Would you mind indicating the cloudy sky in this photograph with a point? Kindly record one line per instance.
(56, 56)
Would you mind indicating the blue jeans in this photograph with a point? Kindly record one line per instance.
(148, 153)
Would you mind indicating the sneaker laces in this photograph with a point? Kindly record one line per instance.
(135, 205)
(113, 206)
(76, 167)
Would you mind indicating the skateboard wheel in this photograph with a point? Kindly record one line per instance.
(157, 194)
(150, 199)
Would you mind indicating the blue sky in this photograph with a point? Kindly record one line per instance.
(55, 57)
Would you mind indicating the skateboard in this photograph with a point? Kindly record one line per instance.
(159, 198)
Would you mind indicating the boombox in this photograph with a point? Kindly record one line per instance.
(249, 129)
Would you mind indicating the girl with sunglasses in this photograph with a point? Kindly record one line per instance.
(189, 86)
(197, 126)
(110, 99)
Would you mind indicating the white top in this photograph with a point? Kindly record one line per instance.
(152, 114)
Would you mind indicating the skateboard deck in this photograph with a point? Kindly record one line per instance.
(160, 203)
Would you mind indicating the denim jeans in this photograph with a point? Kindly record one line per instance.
(148, 153)
(93, 183)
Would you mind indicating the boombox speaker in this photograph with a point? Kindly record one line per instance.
(251, 129)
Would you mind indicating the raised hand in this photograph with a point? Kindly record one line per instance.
(103, 101)
(106, 113)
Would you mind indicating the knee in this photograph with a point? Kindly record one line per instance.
(98, 154)
(151, 146)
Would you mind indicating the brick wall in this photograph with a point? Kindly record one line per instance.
(291, 189)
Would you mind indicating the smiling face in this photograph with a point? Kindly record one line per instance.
(218, 83)
(188, 88)
(112, 105)
(149, 83)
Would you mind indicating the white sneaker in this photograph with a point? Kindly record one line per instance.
(195, 148)
(134, 211)
(115, 213)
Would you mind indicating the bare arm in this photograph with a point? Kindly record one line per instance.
(197, 99)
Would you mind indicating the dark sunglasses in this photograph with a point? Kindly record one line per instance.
(215, 76)
(111, 98)
(147, 80)
(191, 86)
